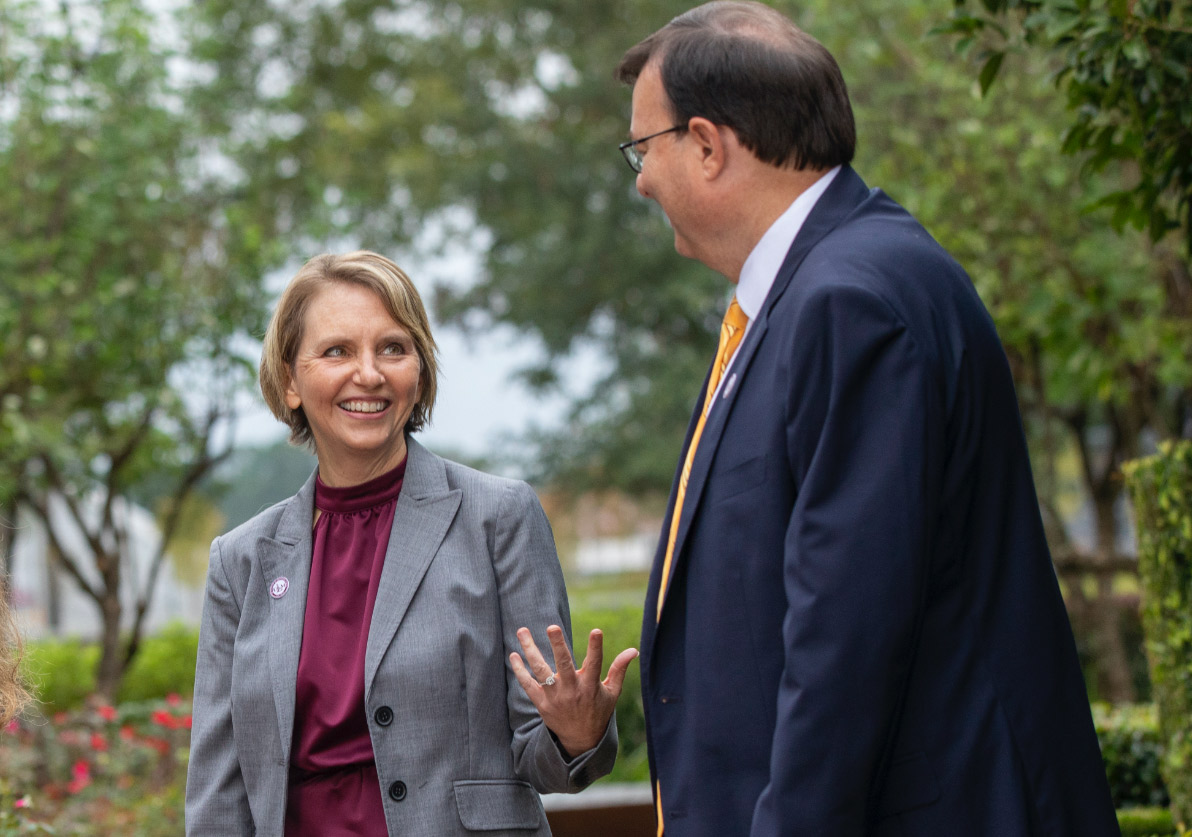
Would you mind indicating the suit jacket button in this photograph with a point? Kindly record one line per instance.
(383, 716)
(397, 791)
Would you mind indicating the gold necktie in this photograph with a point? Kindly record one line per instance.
(732, 329)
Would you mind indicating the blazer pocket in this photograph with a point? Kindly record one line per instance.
(911, 784)
(498, 804)
(739, 477)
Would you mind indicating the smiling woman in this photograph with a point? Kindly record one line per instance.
(349, 363)
(359, 668)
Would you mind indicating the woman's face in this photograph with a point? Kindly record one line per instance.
(356, 379)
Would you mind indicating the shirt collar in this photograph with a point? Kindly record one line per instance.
(761, 268)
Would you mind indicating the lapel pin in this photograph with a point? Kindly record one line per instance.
(728, 387)
(279, 587)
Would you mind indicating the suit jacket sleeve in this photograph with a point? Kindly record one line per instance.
(863, 431)
(216, 798)
(530, 585)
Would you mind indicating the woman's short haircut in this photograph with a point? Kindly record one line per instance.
(284, 335)
(748, 67)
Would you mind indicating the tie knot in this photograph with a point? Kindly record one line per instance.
(734, 317)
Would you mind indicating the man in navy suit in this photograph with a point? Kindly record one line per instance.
(853, 626)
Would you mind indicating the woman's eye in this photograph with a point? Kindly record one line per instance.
(334, 351)
(394, 349)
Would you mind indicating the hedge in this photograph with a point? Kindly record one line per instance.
(622, 627)
(61, 672)
(1145, 822)
(1129, 737)
(1161, 489)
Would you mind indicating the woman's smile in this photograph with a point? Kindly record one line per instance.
(355, 377)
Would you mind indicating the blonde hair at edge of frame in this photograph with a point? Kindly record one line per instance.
(284, 335)
(13, 696)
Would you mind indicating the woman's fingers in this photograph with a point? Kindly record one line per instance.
(564, 665)
(540, 670)
(616, 672)
(594, 660)
(529, 685)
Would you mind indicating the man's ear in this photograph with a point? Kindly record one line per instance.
(710, 141)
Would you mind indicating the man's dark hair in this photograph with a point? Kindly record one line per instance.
(748, 67)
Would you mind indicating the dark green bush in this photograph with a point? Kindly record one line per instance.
(164, 666)
(61, 672)
(1145, 822)
(1161, 488)
(1129, 737)
(622, 629)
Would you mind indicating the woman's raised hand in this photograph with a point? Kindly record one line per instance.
(574, 704)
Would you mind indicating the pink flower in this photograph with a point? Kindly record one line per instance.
(23, 802)
(98, 742)
(81, 773)
(13, 726)
(108, 713)
(127, 733)
(174, 699)
(163, 718)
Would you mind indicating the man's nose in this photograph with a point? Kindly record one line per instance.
(641, 187)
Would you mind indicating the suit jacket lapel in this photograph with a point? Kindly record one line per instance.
(287, 556)
(425, 509)
(845, 192)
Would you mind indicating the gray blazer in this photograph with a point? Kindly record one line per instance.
(471, 558)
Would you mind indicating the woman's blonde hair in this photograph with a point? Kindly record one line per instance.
(13, 696)
(284, 335)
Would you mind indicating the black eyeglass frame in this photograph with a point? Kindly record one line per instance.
(629, 149)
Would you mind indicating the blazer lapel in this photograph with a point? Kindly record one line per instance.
(425, 509)
(288, 556)
(846, 191)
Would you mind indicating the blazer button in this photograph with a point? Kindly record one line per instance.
(383, 716)
(397, 791)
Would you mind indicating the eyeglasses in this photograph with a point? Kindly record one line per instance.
(634, 157)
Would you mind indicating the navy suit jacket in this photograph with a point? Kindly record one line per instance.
(863, 633)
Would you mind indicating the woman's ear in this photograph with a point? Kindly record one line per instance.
(293, 399)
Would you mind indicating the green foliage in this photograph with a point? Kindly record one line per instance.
(496, 129)
(1130, 748)
(61, 672)
(1161, 489)
(622, 627)
(165, 666)
(131, 270)
(1125, 68)
(1145, 822)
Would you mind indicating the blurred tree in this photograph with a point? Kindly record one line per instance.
(129, 265)
(492, 125)
(1124, 68)
(254, 478)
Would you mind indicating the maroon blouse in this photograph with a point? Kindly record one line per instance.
(334, 789)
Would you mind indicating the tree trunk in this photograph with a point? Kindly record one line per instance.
(1116, 680)
(111, 660)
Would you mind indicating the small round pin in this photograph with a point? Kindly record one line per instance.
(279, 587)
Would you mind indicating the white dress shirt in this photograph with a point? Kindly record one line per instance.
(761, 268)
